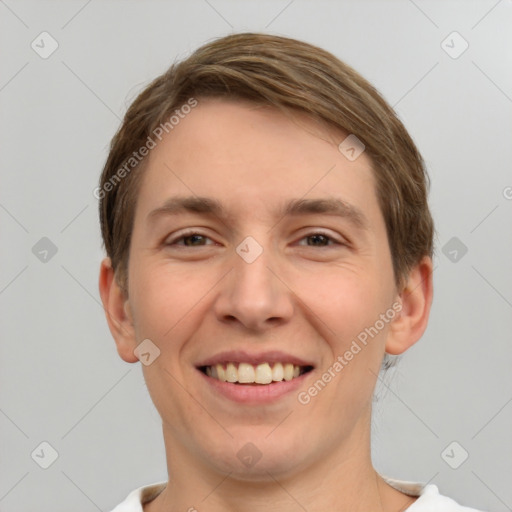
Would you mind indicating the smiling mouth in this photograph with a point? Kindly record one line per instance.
(263, 374)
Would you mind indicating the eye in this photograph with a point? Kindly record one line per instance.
(191, 239)
(319, 240)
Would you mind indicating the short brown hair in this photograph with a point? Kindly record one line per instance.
(292, 76)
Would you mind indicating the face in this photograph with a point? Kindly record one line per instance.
(258, 245)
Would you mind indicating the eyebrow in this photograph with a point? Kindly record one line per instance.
(329, 206)
(208, 206)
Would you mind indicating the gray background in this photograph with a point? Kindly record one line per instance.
(61, 380)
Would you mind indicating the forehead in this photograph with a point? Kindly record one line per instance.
(250, 156)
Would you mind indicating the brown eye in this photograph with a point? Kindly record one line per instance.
(193, 240)
(190, 239)
(318, 240)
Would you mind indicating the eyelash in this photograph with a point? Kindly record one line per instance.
(325, 235)
(189, 234)
(186, 235)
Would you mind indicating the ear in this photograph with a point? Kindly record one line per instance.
(117, 312)
(415, 299)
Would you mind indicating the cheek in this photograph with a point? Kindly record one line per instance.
(346, 300)
(348, 305)
(163, 297)
(352, 307)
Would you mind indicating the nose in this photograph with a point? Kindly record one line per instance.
(253, 294)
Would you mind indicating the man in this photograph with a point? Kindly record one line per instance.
(269, 245)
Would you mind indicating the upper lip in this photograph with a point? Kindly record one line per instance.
(242, 356)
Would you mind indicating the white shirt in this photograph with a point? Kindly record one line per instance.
(429, 499)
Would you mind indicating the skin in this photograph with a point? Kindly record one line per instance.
(305, 295)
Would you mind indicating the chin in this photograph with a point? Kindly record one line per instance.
(259, 457)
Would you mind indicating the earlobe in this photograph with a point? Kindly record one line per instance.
(416, 299)
(117, 312)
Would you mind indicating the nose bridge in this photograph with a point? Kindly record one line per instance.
(251, 270)
(252, 295)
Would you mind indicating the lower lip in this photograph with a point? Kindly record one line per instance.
(257, 393)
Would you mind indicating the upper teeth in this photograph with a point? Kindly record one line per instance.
(245, 373)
